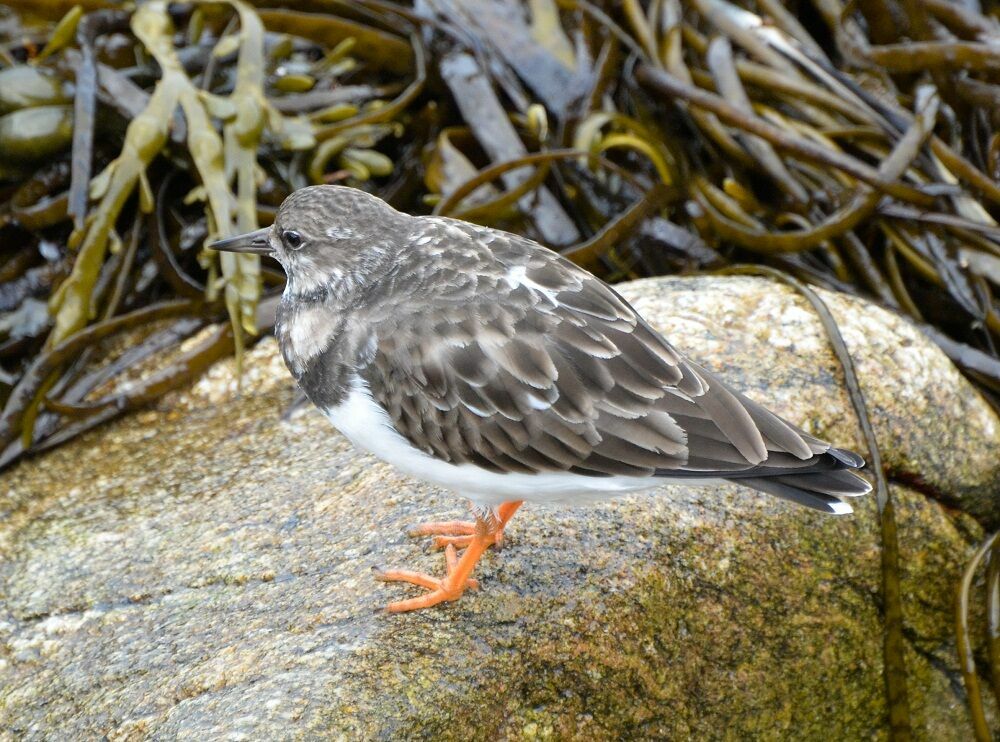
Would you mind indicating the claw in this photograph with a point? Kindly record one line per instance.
(443, 590)
(474, 537)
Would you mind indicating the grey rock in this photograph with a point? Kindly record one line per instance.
(202, 570)
(935, 431)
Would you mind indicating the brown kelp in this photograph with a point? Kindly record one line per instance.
(851, 146)
(183, 111)
(663, 139)
(989, 551)
(894, 646)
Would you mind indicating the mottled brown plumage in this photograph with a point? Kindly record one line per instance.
(486, 349)
(483, 362)
(521, 361)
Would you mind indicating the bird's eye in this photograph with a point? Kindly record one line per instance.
(292, 238)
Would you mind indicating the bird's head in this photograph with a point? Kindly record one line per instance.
(327, 238)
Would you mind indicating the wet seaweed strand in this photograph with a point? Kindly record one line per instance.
(893, 647)
(990, 550)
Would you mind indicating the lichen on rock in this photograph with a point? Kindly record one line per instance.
(203, 569)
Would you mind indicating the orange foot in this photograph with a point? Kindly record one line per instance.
(459, 533)
(481, 535)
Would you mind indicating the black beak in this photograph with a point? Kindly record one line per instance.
(252, 242)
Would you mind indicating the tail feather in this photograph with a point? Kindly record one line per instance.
(848, 458)
(842, 483)
(777, 465)
(815, 500)
(820, 491)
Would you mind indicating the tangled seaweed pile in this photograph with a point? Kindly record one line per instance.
(852, 146)
(638, 141)
(195, 134)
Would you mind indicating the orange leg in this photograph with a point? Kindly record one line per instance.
(443, 590)
(482, 535)
(459, 533)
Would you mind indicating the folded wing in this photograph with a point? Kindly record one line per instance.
(545, 368)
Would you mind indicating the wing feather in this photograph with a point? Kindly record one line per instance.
(546, 368)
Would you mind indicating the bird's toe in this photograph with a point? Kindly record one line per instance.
(451, 587)
(457, 533)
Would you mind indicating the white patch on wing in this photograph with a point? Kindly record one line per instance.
(367, 425)
(517, 276)
(476, 410)
(537, 403)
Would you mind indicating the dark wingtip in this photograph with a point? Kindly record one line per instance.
(849, 458)
(821, 501)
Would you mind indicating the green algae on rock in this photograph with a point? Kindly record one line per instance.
(208, 571)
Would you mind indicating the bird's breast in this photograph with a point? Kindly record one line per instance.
(305, 333)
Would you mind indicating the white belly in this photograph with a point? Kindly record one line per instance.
(367, 425)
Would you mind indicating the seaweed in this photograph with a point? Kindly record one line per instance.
(893, 647)
(989, 550)
(206, 117)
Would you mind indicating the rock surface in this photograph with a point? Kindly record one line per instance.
(934, 430)
(202, 570)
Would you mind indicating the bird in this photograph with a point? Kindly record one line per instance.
(489, 365)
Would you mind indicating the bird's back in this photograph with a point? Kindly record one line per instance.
(492, 352)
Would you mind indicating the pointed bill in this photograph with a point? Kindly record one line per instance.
(256, 242)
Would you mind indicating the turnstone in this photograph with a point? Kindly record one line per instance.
(486, 364)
